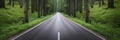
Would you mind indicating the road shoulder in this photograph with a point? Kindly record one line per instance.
(91, 31)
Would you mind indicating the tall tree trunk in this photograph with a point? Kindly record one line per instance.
(87, 11)
(80, 6)
(100, 3)
(42, 13)
(2, 3)
(76, 5)
(39, 9)
(68, 7)
(110, 3)
(103, 2)
(36, 5)
(13, 1)
(74, 8)
(26, 18)
(69, 12)
(10, 2)
(71, 8)
(92, 3)
(44, 7)
(33, 6)
(21, 3)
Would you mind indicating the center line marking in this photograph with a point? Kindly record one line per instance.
(58, 35)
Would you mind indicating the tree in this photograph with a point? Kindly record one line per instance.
(74, 8)
(26, 8)
(10, 2)
(71, 7)
(13, 2)
(103, 2)
(32, 6)
(39, 9)
(2, 3)
(21, 3)
(46, 10)
(80, 6)
(100, 3)
(92, 3)
(87, 11)
(110, 3)
(68, 7)
(76, 5)
(45, 7)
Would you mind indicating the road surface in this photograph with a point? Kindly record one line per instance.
(58, 27)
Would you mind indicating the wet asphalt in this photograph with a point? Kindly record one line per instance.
(58, 27)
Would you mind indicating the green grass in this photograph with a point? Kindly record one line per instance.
(11, 21)
(104, 15)
(13, 29)
(108, 31)
(10, 15)
(103, 21)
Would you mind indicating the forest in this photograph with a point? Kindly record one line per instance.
(100, 16)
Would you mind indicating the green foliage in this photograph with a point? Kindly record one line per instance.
(11, 21)
(12, 29)
(108, 31)
(104, 15)
(103, 20)
(57, 6)
(10, 15)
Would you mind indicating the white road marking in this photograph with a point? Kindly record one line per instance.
(58, 35)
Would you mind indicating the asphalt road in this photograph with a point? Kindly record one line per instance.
(58, 27)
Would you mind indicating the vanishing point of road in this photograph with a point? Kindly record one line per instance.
(58, 27)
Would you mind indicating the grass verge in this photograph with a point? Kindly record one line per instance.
(108, 31)
(11, 21)
(19, 27)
